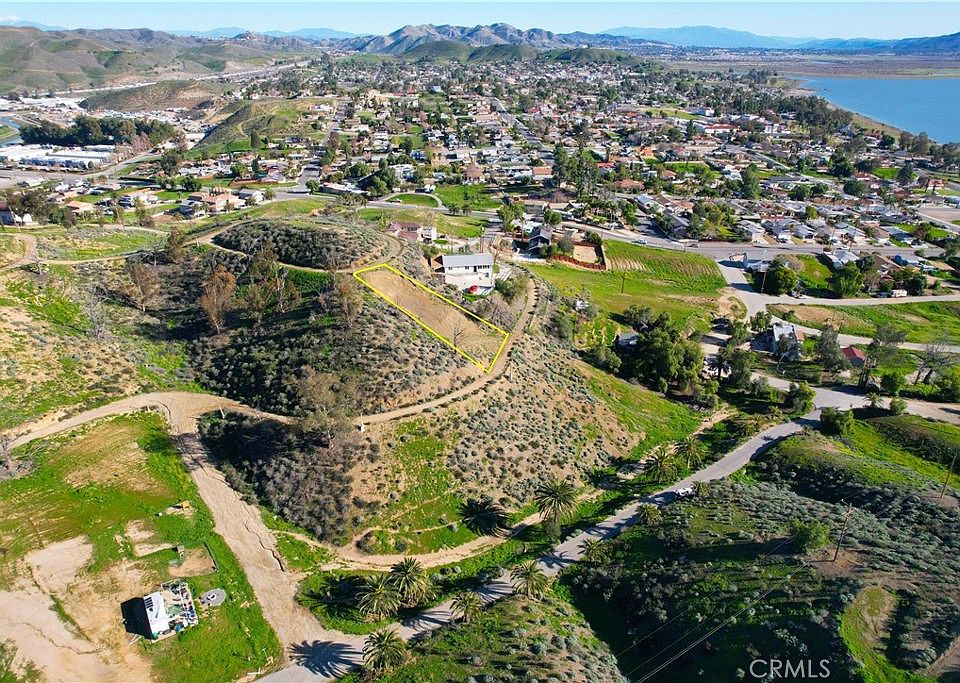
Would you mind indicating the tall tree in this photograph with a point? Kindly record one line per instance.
(144, 285)
(881, 350)
(691, 451)
(661, 465)
(467, 605)
(828, 352)
(555, 499)
(649, 514)
(217, 298)
(847, 281)
(176, 244)
(327, 401)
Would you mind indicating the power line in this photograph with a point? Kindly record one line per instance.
(724, 623)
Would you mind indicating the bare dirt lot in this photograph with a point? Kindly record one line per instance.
(65, 621)
(477, 339)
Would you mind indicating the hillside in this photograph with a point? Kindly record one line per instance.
(266, 117)
(162, 95)
(935, 45)
(753, 556)
(408, 38)
(31, 59)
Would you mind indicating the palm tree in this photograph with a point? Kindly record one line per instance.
(649, 514)
(410, 581)
(555, 499)
(378, 599)
(592, 550)
(468, 605)
(661, 465)
(528, 580)
(691, 451)
(383, 652)
(718, 362)
(701, 488)
(483, 516)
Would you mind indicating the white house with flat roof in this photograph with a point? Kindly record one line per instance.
(467, 270)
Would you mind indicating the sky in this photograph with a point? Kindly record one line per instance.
(816, 19)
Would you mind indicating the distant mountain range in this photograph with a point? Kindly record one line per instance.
(633, 38)
(708, 36)
(711, 36)
(407, 38)
(59, 60)
(302, 33)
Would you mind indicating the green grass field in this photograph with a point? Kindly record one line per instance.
(480, 197)
(868, 455)
(93, 242)
(814, 275)
(685, 285)
(643, 411)
(886, 172)
(458, 226)
(10, 249)
(858, 630)
(415, 199)
(923, 322)
(92, 482)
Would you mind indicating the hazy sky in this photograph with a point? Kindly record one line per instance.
(816, 18)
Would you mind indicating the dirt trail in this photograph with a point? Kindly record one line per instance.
(238, 522)
(29, 251)
(350, 557)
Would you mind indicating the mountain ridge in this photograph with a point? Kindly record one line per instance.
(718, 37)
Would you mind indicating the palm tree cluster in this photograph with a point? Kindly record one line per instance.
(407, 585)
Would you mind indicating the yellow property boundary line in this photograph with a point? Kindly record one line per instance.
(448, 342)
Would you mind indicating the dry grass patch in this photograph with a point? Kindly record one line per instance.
(468, 334)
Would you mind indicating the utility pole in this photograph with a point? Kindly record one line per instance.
(763, 259)
(843, 531)
(623, 281)
(953, 461)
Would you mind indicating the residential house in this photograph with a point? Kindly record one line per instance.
(8, 217)
(540, 237)
(856, 356)
(779, 338)
(467, 270)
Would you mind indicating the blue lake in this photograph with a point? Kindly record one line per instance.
(912, 104)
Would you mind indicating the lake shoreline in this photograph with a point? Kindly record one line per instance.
(941, 131)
